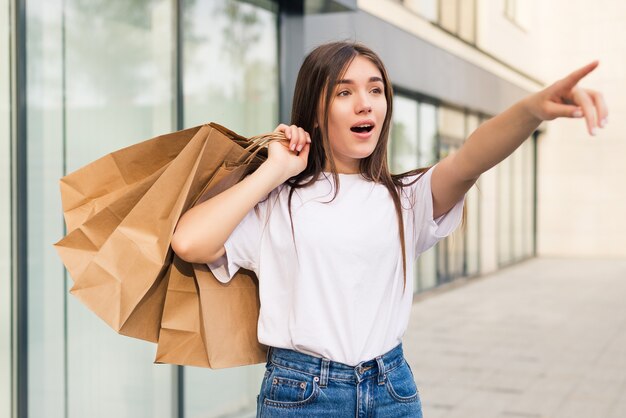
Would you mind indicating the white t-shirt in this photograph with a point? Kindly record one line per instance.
(341, 296)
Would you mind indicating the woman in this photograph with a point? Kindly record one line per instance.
(332, 235)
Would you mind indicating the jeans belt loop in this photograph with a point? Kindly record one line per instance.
(381, 370)
(324, 372)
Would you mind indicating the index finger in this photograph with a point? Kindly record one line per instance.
(571, 80)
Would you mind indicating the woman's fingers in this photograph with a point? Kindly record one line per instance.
(582, 99)
(602, 111)
(572, 79)
(297, 136)
(301, 139)
(281, 128)
(557, 110)
(304, 154)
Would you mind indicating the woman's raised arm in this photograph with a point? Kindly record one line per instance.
(498, 137)
(202, 231)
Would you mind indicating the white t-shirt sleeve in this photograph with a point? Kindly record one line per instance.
(430, 230)
(243, 246)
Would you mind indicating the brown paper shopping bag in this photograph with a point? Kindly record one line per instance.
(229, 340)
(205, 322)
(94, 186)
(181, 338)
(117, 249)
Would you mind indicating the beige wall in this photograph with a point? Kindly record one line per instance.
(581, 183)
(514, 43)
(582, 179)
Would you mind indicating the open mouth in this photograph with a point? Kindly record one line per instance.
(362, 128)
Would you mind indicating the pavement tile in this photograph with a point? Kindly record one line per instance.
(543, 339)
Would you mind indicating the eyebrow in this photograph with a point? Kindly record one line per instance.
(371, 80)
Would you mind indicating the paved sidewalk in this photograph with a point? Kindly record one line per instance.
(543, 339)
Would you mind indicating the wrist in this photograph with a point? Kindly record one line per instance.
(530, 108)
(273, 174)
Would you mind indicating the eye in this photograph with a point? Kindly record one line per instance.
(343, 93)
(377, 90)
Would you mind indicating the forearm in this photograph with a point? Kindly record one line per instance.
(495, 140)
(202, 231)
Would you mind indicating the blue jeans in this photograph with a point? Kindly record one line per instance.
(299, 385)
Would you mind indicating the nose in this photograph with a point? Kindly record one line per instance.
(363, 105)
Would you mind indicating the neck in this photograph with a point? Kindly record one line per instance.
(343, 170)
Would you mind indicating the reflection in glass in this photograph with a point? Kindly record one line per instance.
(46, 293)
(5, 213)
(427, 262)
(451, 135)
(428, 152)
(529, 204)
(230, 53)
(118, 75)
(454, 244)
(504, 212)
(404, 135)
(230, 65)
(518, 204)
(472, 203)
(451, 123)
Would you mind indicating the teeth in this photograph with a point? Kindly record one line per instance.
(363, 126)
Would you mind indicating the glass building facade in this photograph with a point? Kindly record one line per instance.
(79, 79)
(424, 133)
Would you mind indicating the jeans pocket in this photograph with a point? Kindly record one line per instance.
(401, 384)
(287, 388)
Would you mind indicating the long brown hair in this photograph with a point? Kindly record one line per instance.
(318, 77)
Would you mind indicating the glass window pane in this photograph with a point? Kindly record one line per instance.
(529, 204)
(518, 206)
(427, 135)
(504, 212)
(451, 123)
(46, 292)
(449, 12)
(230, 77)
(427, 276)
(119, 78)
(467, 19)
(428, 9)
(473, 230)
(5, 213)
(230, 65)
(472, 122)
(455, 244)
(472, 204)
(404, 135)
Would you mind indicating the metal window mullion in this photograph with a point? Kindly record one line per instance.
(178, 122)
(19, 213)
